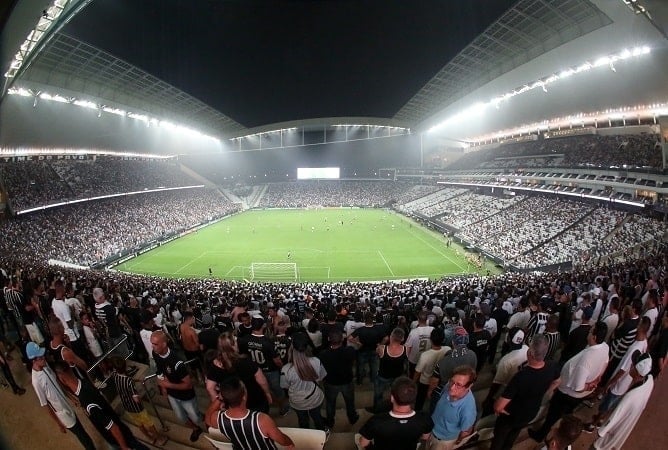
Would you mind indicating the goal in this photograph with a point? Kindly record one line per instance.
(273, 271)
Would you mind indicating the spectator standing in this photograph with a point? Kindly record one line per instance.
(175, 382)
(226, 362)
(418, 342)
(301, 377)
(6, 370)
(425, 366)
(455, 412)
(102, 416)
(338, 361)
(51, 396)
(460, 355)
(479, 341)
(618, 427)
(368, 338)
(190, 342)
(522, 397)
(578, 338)
(262, 351)
(107, 314)
(131, 401)
(506, 368)
(392, 363)
(402, 427)
(579, 378)
(63, 312)
(553, 337)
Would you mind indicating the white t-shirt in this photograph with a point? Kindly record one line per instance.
(75, 305)
(624, 383)
(583, 368)
(146, 340)
(62, 311)
(49, 393)
(611, 320)
(509, 365)
(491, 326)
(520, 319)
(652, 314)
(93, 344)
(418, 341)
(428, 360)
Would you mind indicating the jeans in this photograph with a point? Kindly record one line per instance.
(185, 409)
(303, 415)
(274, 381)
(369, 358)
(380, 385)
(332, 392)
(78, 430)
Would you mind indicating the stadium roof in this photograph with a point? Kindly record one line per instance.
(232, 68)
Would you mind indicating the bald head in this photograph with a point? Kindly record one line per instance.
(159, 342)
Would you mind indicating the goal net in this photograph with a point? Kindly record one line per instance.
(273, 271)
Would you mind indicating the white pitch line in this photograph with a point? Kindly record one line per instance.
(195, 259)
(385, 261)
(437, 250)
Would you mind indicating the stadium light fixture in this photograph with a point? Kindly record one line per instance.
(542, 83)
(23, 92)
(44, 23)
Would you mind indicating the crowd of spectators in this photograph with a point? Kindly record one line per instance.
(303, 194)
(470, 208)
(37, 183)
(89, 232)
(524, 226)
(430, 205)
(577, 242)
(555, 352)
(628, 150)
(416, 192)
(635, 230)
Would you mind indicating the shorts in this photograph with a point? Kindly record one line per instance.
(141, 419)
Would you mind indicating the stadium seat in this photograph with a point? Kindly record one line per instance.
(220, 444)
(305, 439)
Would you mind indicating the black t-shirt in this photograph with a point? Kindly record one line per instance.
(526, 390)
(245, 370)
(577, 341)
(325, 328)
(370, 337)
(134, 317)
(339, 365)
(397, 433)
(282, 344)
(261, 350)
(479, 343)
(106, 313)
(175, 370)
(244, 331)
(28, 316)
(100, 413)
(208, 338)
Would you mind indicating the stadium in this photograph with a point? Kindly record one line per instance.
(469, 162)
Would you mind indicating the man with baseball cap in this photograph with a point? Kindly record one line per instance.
(52, 398)
(618, 427)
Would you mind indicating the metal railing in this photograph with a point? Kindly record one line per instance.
(109, 352)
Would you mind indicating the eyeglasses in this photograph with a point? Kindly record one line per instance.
(458, 385)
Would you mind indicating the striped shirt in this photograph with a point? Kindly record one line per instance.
(245, 432)
(553, 341)
(125, 387)
(623, 337)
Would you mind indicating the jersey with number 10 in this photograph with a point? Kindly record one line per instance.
(261, 350)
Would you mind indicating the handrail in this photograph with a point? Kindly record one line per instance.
(165, 428)
(103, 357)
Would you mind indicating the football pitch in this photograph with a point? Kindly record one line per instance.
(310, 245)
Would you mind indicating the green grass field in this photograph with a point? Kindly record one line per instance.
(370, 245)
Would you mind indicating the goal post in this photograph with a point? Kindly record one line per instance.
(273, 271)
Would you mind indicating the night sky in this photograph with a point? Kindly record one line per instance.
(261, 62)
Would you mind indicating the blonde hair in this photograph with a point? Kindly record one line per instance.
(227, 351)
